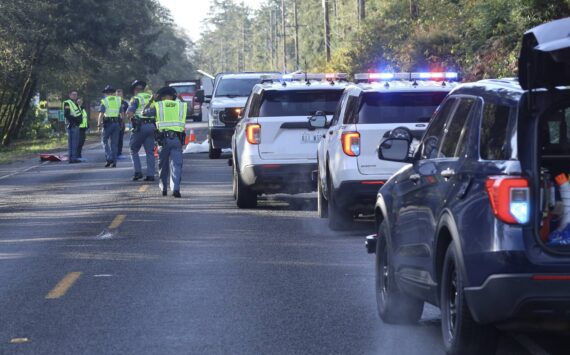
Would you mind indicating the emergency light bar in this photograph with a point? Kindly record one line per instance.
(448, 76)
(304, 76)
(376, 77)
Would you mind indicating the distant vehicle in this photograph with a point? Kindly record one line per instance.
(478, 222)
(275, 144)
(186, 91)
(230, 93)
(349, 172)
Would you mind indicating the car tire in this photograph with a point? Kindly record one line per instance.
(461, 334)
(322, 203)
(213, 153)
(339, 218)
(244, 196)
(394, 307)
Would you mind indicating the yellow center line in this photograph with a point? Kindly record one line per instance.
(65, 284)
(117, 221)
(143, 188)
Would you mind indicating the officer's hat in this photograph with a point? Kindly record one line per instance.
(108, 89)
(166, 91)
(138, 83)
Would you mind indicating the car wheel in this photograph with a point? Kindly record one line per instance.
(214, 153)
(339, 218)
(394, 307)
(244, 196)
(461, 334)
(322, 203)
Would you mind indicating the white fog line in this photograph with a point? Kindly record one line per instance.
(531, 346)
(23, 171)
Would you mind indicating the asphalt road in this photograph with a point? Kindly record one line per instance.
(93, 263)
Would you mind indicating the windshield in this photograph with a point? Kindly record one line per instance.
(183, 89)
(236, 87)
(401, 107)
(297, 103)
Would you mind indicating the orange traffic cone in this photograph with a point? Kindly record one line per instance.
(156, 151)
(192, 136)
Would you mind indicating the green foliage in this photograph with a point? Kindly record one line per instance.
(478, 37)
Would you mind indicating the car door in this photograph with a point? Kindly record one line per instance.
(326, 144)
(406, 229)
(436, 176)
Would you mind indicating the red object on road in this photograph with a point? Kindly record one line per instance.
(52, 157)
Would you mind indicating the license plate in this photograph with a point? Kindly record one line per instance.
(311, 137)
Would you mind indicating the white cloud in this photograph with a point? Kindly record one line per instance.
(189, 14)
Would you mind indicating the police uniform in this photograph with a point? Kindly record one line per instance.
(142, 134)
(82, 131)
(111, 108)
(72, 114)
(170, 118)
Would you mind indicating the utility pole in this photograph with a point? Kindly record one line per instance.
(361, 10)
(284, 36)
(296, 35)
(272, 36)
(327, 30)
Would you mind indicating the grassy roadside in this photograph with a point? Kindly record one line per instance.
(24, 149)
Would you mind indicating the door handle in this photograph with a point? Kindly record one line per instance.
(447, 173)
(415, 178)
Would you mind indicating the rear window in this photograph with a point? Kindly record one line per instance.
(296, 103)
(180, 89)
(494, 126)
(236, 87)
(408, 107)
(555, 131)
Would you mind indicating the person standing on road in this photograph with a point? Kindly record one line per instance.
(109, 120)
(170, 118)
(72, 115)
(142, 134)
(83, 126)
(124, 107)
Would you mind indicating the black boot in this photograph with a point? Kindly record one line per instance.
(176, 194)
(137, 176)
(164, 193)
(108, 164)
(148, 178)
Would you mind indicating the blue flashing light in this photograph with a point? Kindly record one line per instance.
(451, 75)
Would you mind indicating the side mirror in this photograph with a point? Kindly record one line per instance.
(318, 120)
(394, 149)
(199, 96)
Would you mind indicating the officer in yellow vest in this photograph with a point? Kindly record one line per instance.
(72, 115)
(142, 134)
(110, 116)
(170, 118)
(83, 126)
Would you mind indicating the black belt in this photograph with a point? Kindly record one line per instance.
(143, 120)
(112, 119)
(171, 134)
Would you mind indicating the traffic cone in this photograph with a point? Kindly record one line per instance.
(192, 136)
(156, 151)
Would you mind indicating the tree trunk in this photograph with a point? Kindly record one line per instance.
(19, 109)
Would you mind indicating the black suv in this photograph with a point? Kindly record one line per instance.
(474, 223)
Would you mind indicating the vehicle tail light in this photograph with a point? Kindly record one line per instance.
(252, 133)
(510, 198)
(351, 143)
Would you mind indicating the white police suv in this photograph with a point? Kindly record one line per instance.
(349, 171)
(230, 93)
(275, 143)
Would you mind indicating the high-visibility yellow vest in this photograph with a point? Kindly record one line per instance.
(85, 119)
(74, 110)
(170, 115)
(112, 106)
(143, 98)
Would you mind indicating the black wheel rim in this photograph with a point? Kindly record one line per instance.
(452, 301)
(383, 274)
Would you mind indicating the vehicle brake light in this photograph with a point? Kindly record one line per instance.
(510, 198)
(351, 143)
(252, 133)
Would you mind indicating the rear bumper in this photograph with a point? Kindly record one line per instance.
(280, 178)
(221, 137)
(509, 297)
(358, 195)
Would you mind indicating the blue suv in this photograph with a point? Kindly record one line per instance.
(473, 223)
